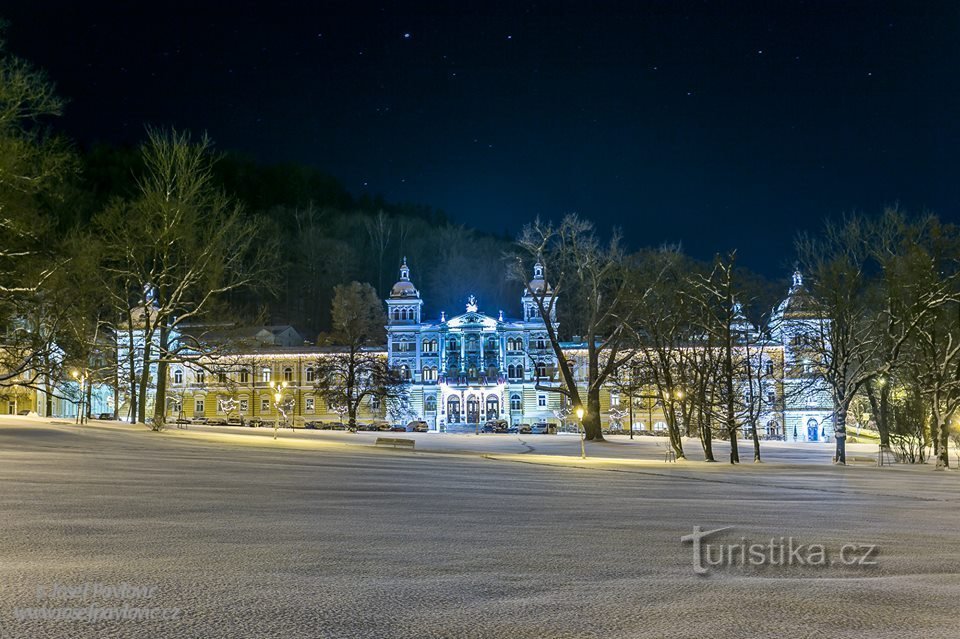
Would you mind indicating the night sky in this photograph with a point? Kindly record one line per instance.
(719, 124)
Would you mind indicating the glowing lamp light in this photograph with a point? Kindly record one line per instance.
(579, 412)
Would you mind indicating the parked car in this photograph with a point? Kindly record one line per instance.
(512, 430)
(524, 429)
(234, 421)
(338, 426)
(199, 420)
(488, 428)
(539, 429)
(255, 422)
(182, 420)
(106, 416)
(217, 421)
(313, 425)
(398, 428)
(383, 426)
(417, 426)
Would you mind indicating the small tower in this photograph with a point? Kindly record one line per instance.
(539, 286)
(404, 303)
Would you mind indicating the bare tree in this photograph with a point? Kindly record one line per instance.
(184, 244)
(355, 368)
(599, 294)
(865, 310)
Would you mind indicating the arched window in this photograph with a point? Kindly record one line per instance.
(404, 372)
(452, 345)
(429, 374)
(178, 376)
(541, 343)
(265, 374)
(511, 371)
(244, 376)
(519, 371)
(541, 369)
(515, 401)
(310, 373)
(288, 374)
(430, 404)
(201, 376)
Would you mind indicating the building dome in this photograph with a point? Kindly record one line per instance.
(404, 287)
(798, 304)
(538, 284)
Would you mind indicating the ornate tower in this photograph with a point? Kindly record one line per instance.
(404, 303)
(539, 286)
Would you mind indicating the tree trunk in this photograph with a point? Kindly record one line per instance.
(89, 398)
(144, 382)
(351, 416)
(756, 444)
(878, 404)
(840, 432)
(676, 440)
(132, 365)
(160, 398)
(706, 438)
(591, 418)
(943, 460)
(734, 445)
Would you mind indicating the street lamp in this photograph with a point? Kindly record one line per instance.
(583, 436)
(277, 396)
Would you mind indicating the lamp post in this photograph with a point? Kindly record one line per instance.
(583, 433)
(80, 376)
(277, 396)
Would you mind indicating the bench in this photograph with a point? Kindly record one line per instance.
(396, 442)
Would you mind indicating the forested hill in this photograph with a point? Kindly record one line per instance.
(329, 236)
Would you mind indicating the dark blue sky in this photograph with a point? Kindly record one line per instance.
(719, 124)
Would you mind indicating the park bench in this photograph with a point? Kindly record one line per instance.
(396, 442)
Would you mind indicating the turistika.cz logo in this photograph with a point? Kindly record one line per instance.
(776, 552)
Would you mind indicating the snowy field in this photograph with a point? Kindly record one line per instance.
(230, 534)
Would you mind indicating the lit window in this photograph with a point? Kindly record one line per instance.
(288, 374)
(198, 407)
(244, 376)
(430, 404)
(541, 400)
(264, 404)
(201, 377)
(614, 399)
(515, 401)
(244, 405)
(309, 404)
(265, 375)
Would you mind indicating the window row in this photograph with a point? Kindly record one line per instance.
(243, 377)
(403, 314)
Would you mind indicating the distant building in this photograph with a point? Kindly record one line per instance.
(463, 371)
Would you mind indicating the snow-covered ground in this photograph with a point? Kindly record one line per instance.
(323, 535)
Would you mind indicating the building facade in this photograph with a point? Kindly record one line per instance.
(474, 367)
